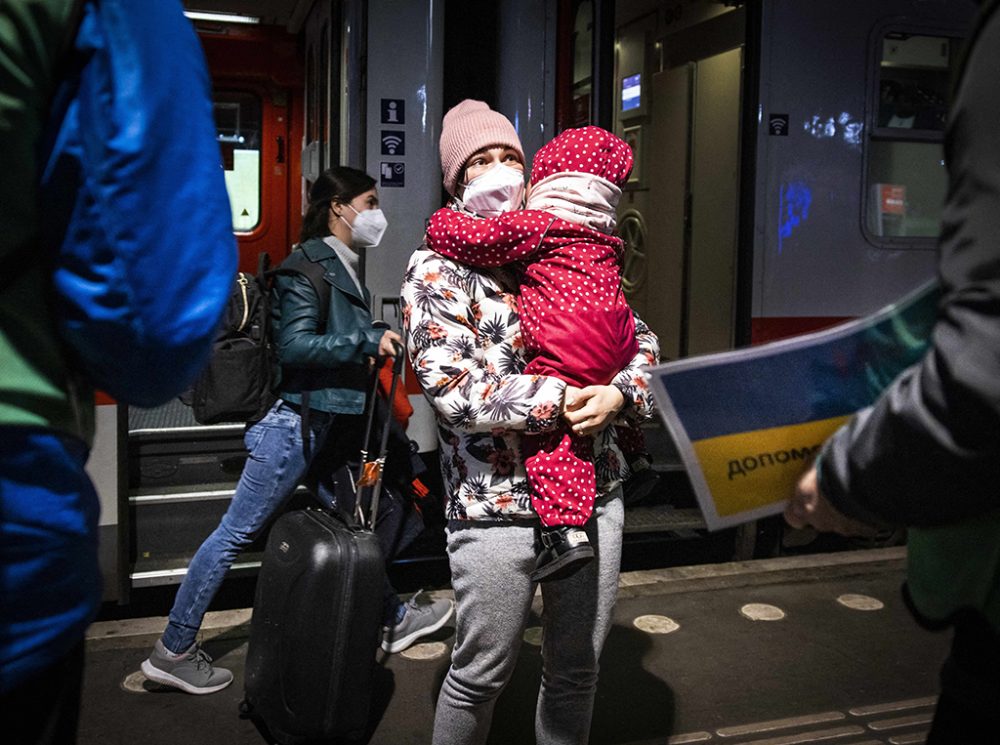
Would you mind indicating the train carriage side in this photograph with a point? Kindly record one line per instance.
(789, 170)
(851, 177)
(789, 165)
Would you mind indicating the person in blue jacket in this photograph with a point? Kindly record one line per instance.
(118, 258)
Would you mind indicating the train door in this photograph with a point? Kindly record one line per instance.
(253, 137)
(173, 478)
(667, 77)
(679, 104)
(678, 98)
(322, 106)
(257, 92)
(693, 140)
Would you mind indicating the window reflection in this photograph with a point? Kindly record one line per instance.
(906, 174)
(907, 188)
(913, 81)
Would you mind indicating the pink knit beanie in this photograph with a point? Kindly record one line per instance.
(469, 127)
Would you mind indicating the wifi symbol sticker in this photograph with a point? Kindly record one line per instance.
(393, 143)
(777, 125)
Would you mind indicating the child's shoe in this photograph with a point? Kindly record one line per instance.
(562, 550)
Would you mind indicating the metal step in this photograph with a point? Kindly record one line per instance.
(173, 417)
(168, 526)
(173, 571)
(660, 445)
(663, 518)
(182, 476)
(182, 494)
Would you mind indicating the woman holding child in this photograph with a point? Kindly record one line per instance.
(464, 339)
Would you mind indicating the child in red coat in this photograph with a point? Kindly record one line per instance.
(575, 322)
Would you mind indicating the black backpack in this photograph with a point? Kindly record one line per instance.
(237, 385)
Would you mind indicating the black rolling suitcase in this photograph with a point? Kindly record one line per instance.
(315, 628)
(317, 620)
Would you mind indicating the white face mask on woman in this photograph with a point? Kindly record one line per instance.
(368, 228)
(500, 189)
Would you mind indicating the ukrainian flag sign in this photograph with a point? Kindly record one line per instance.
(747, 423)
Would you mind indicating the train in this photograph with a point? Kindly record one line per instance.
(789, 175)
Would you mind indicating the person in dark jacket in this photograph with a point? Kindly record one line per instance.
(927, 454)
(101, 286)
(333, 366)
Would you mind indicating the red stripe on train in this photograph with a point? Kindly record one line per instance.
(765, 329)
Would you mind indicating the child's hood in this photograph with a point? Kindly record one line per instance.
(590, 150)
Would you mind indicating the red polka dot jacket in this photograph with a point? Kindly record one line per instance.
(575, 321)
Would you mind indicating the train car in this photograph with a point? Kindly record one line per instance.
(788, 175)
(789, 164)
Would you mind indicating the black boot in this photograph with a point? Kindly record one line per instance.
(562, 550)
(642, 482)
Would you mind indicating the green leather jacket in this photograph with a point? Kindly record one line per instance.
(333, 365)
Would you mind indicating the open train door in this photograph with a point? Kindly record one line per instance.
(257, 83)
(165, 480)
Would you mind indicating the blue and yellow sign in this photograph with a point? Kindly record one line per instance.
(748, 422)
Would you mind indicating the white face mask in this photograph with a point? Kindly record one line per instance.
(368, 228)
(500, 189)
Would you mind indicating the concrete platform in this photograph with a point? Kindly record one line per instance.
(691, 659)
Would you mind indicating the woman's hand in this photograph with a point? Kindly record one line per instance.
(389, 343)
(591, 409)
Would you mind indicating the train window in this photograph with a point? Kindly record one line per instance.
(906, 175)
(913, 81)
(238, 121)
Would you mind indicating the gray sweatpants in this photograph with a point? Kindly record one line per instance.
(490, 567)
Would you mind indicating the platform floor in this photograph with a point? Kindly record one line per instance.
(823, 672)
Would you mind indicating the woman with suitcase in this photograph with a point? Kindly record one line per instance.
(324, 375)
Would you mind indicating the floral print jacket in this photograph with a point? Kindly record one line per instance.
(463, 337)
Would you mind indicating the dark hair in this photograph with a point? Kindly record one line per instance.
(338, 184)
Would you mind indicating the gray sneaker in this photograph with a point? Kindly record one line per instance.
(192, 673)
(421, 619)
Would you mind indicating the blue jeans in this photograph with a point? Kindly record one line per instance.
(275, 467)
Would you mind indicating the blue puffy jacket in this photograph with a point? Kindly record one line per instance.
(119, 258)
(140, 210)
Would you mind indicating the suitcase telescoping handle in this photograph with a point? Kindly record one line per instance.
(371, 469)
